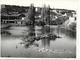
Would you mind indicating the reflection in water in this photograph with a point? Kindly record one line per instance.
(46, 43)
(68, 33)
(44, 40)
(71, 34)
(5, 33)
(30, 39)
(31, 31)
(46, 36)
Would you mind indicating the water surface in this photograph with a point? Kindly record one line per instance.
(59, 48)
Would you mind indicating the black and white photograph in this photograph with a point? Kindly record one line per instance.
(38, 28)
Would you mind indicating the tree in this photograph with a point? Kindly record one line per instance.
(45, 13)
(31, 14)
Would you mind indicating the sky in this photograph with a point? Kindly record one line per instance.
(63, 4)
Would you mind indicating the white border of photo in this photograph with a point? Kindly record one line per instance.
(13, 2)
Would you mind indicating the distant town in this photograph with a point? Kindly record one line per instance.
(17, 15)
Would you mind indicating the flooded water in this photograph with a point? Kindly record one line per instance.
(12, 46)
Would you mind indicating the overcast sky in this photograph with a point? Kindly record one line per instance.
(65, 4)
